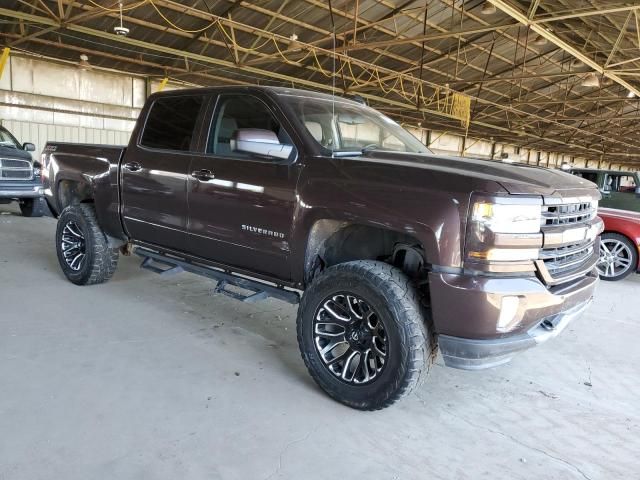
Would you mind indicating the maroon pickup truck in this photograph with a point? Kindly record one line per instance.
(399, 252)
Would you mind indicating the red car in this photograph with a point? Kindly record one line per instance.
(619, 244)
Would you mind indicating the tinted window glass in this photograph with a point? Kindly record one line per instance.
(242, 112)
(620, 183)
(171, 122)
(591, 176)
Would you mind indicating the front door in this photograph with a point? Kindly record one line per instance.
(155, 172)
(241, 204)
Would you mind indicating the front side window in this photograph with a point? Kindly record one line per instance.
(171, 123)
(342, 127)
(8, 140)
(244, 127)
(591, 176)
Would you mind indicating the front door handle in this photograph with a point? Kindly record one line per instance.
(133, 166)
(203, 175)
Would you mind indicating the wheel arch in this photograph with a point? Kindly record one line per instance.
(73, 190)
(331, 242)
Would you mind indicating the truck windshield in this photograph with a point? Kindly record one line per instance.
(7, 140)
(347, 129)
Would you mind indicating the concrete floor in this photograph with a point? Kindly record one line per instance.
(148, 377)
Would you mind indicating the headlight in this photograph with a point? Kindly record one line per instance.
(507, 218)
(504, 231)
(36, 172)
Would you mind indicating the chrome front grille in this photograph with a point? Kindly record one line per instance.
(567, 214)
(565, 260)
(11, 169)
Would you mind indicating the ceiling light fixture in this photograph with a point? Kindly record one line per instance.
(84, 62)
(591, 80)
(539, 40)
(121, 30)
(631, 94)
(488, 8)
(294, 44)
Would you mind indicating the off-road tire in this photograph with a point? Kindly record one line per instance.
(412, 344)
(32, 207)
(100, 261)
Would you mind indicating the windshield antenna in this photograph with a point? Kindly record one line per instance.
(333, 75)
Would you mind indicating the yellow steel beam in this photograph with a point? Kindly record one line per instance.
(3, 59)
(570, 49)
(588, 13)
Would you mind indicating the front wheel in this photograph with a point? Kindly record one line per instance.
(362, 334)
(32, 207)
(618, 257)
(83, 250)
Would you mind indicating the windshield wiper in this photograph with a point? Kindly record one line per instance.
(352, 153)
(346, 153)
(368, 148)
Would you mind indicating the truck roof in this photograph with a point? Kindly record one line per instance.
(263, 88)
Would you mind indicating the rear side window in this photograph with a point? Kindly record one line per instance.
(171, 122)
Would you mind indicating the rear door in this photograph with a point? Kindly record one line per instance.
(620, 192)
(241, 205)
(154, 172)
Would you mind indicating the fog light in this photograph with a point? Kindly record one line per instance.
(508, 311)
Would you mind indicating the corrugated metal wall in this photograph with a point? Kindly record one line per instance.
(42, 100)
(40, 133)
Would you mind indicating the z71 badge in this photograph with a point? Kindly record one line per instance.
(262, 231)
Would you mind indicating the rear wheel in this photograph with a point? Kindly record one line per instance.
(362, 334)
(618, 257)
(32, 207)
(83, 251)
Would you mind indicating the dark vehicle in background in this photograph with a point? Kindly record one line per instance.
(20, 179)
(619, 244)
(619, 189)
(399, 251)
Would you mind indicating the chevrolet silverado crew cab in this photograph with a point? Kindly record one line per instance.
(397, 251)
(20, 176)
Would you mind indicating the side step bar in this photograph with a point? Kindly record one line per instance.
(166, 265)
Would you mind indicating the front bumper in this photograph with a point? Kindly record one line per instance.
(15, 191)
(466, 313)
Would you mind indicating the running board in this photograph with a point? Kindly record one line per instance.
(166, 265)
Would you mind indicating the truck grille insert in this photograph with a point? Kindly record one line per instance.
(562, 262)
(11, 169)
(567, 214)
(564, 259)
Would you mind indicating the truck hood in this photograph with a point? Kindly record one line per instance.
(8, 152)
(516, 179)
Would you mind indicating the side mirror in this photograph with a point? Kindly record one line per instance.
(29, 147)
(264, 143)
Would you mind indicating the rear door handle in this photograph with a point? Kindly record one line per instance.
(133, 166)
(203, 175)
